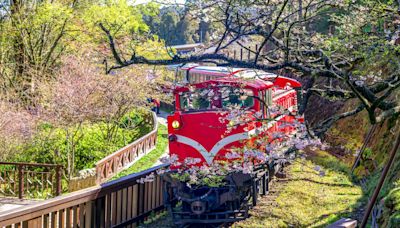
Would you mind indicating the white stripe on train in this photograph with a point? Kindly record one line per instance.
(209, 155)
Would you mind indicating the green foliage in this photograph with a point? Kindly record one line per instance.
(330, 162)
(151, 158)
(207, 180)
(212, 181)
(176, 28)
(392, 208)
(52, 144)
(118, 16)
(367, 153)
(33, 37)
(152, 48)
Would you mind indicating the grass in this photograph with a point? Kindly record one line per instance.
(151, 158)
(308, 199)
(392, 208)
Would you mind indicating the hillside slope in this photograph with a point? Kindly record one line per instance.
(346, 138)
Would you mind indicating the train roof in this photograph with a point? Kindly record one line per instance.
(282, 81)
(278, 80)
(214, 70)
(257, 84)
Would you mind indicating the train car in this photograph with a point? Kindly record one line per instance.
(194, 73)
(197, 130)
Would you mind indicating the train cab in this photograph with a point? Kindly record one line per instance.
(213, 117)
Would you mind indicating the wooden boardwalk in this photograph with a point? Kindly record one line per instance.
(9, 203)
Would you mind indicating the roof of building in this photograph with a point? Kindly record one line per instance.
(187, 46)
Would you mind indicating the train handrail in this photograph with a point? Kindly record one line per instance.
(109, 166)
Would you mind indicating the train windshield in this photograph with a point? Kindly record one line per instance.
(216, 98)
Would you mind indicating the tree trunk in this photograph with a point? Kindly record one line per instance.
(22, 80)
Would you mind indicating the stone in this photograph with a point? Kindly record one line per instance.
(344, 223)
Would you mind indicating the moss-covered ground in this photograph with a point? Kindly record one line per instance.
(317, 191)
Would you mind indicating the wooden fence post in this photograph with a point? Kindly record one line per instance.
(58, 181)
(20, 181)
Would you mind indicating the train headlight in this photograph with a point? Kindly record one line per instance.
(176, 124)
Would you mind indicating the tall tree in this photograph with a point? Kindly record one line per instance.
(36, 31)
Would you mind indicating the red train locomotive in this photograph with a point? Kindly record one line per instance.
(217, 112)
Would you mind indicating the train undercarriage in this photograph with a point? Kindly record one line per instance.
(204, 206)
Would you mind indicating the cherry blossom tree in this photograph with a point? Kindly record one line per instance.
(16, 126)
(343, 49)
(83, 94)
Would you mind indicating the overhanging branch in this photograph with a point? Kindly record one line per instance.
(326, 124)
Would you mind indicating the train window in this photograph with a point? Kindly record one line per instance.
(202, 78)
(195, 101)
(179, 76)
(216, 98)
(195, 78)
(233, 96)
(191, 77)
(198, 78)
(190, 80)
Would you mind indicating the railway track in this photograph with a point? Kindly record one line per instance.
(269, 201)
(266, 203)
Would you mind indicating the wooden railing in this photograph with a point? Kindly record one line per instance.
(30, 180)
(118, 203)
(126, 156)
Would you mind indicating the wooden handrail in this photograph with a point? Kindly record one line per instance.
(109, 166)
(31, 164)
(105, 205)
(17, 179)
